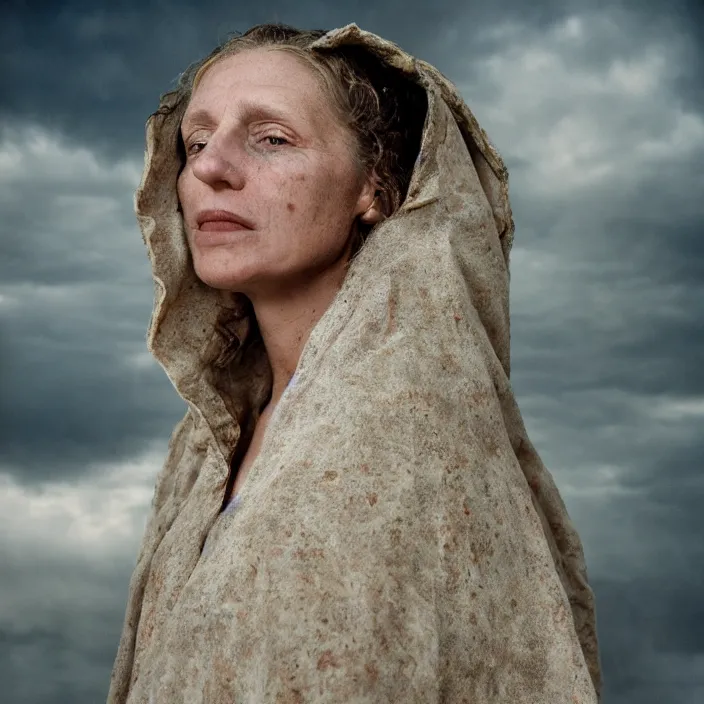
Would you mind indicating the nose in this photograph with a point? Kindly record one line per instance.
(219, 165)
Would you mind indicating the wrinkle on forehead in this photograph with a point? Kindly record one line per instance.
(261, 76)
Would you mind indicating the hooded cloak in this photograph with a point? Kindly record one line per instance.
(398, 538)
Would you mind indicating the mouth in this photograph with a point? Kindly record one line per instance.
(221, 221)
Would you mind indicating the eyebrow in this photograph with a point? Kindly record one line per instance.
(248, 110)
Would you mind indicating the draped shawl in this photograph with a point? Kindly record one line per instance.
(397, 539)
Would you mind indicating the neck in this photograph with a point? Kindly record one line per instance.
(286, 319)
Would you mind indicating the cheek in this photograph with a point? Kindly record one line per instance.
(187, 185)
(307, 196)
(293, 197)
(182, 192)
(305, 201)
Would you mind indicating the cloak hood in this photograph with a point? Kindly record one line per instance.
(396, 501)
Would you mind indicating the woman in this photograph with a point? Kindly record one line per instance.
(350, 510)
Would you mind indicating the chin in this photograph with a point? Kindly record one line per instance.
(226, 282)
(225, 277)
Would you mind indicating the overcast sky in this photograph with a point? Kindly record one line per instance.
(598, 109)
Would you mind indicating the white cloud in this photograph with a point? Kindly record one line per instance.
(574, 121)
(673, 410)
(66, 213)
(93, 519)
(142, 360)
(29, 150)
(66, 557)
(71, 547)
(7, 301)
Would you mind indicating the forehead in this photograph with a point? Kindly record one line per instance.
(257, 75)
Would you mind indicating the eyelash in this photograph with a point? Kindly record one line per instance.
(283, 139)
(271, 136)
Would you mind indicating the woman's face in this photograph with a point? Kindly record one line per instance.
(263, 143)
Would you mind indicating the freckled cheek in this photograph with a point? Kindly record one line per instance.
(301, 198)
(313, 196)
(291, 196)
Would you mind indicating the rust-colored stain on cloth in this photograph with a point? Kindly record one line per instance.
(326, 660)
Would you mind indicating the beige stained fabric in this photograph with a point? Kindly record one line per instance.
(397, 539)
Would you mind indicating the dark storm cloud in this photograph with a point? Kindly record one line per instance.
(76, 298)
(64, 627)
(95, 72)
(109, 63)
(650, 636)
(64, 577)
(603, 137)
(74, 390)
(81, 230)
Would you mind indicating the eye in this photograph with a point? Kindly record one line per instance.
(189, 149)
(275, 141)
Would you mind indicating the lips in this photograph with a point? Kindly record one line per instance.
(222, 221)
(221, 228)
